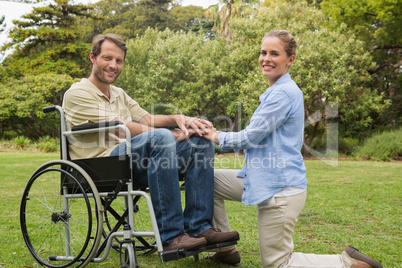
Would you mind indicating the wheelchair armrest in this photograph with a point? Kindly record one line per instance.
(96, 125)
(84, 129)
(101, 127)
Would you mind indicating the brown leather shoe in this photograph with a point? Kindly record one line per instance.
(184, 241)
(357, 255)
(231, 258)
(215, 236)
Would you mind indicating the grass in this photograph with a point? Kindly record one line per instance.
(349, 203)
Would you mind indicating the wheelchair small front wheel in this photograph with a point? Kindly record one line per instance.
(60, 215)
(130, 258)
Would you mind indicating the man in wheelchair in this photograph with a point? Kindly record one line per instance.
(159, 154)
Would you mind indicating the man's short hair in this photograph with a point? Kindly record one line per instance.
(99, 39)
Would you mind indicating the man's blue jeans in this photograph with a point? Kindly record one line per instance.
(157, 161)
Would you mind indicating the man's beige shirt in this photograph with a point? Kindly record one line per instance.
(85, 103)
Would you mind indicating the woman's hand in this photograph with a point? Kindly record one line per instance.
(212, 135)
(200, 126)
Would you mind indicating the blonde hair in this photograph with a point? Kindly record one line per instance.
(286, 38)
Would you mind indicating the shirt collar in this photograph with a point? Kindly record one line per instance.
(283, 79)
(92, 87)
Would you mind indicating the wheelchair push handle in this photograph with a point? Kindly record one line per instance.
(49, 109)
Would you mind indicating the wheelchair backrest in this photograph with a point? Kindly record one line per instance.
(106, 172)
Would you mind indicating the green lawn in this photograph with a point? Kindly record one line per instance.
(349, 203)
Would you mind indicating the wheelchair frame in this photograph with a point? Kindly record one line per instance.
(60, 190)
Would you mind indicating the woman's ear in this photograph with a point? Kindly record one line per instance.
(291, 60)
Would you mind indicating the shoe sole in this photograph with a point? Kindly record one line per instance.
(197, 246)
(233, 238)
(357, 255)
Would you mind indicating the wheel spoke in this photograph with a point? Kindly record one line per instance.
(50, 228)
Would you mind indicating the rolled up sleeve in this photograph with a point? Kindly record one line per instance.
(271, 113)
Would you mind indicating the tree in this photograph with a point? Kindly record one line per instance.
(47, 41)
(2, 23)
(130, 19)
(136, 17)
(230, 8)
(153, 13)
(24, 1)
(187, 18)
(22, 101)
(172, 68)
(2, 28)
(115, 16)
(378, 24)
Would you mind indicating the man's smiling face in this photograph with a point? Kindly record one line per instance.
(107, 66)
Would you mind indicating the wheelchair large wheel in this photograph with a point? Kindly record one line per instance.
(60, 215)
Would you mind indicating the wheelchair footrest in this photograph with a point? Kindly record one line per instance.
(177, 254)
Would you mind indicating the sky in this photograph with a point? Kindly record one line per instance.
(14, 11)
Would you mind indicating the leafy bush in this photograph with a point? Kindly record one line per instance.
(345, 145)
(22, 101)
(382, 147)
(21, 142)
(318, 143)
(48, 144)
(5, 144)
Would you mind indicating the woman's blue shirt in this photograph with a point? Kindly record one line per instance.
(272, 143)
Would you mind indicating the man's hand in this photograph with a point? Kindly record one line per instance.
(181, 136)
(200, 126)
(120, 132)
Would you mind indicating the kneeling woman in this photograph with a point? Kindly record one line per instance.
(274, 177)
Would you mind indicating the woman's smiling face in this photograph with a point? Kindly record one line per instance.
(274, 62)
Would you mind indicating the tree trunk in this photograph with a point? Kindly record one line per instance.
(225, 30)
(305, 150)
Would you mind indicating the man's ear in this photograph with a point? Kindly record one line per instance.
(92, 58)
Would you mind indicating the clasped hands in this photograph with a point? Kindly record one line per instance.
(195, 126)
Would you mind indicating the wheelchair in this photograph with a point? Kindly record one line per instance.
(68, 216)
